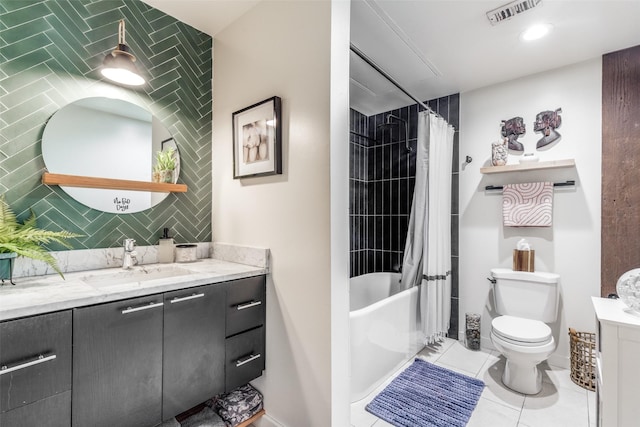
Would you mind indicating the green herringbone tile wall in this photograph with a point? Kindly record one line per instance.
(50, 54)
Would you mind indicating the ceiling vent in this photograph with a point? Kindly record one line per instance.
(510, 10)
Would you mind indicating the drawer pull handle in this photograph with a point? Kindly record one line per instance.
(248, 305)
(248, 359)
(4, 369)
(180, 299)
(142, 307)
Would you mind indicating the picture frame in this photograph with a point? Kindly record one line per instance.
(169, 142)
(257, 139)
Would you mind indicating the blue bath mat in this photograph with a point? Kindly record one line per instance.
(426, 395)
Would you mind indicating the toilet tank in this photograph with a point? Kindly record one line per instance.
(532, 295)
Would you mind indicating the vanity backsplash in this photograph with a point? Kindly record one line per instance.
(94, 259)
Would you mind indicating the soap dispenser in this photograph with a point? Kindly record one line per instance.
(165, 247)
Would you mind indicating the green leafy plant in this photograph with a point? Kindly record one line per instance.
(166, 160)
(27, 240)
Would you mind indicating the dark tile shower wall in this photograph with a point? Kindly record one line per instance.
(358, 192)
(382, 178)
(391, 178)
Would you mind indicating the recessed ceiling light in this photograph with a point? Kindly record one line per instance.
(536, 32)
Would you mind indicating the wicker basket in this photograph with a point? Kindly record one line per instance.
(583, 358)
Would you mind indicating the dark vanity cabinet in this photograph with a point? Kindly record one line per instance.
(245, 331)
(193, 363)
(143, 360)
(117, 363)
(35, 371)
(133, 362)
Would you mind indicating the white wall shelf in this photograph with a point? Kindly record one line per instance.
(551, 164)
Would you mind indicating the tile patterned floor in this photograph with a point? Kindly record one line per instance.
(561, 403)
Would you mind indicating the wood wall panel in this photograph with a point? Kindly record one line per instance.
(620, 165)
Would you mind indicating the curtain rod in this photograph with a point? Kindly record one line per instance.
(384, 74)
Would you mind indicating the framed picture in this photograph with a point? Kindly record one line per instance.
(169, 142)
(257, 139)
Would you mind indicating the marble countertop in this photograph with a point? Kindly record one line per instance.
(43, 294)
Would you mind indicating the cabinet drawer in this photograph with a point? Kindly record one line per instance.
(36, 352)
(54, 411)
(244, 358)
(245, 304)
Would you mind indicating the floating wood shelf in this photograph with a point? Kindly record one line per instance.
(109, 183)
(552, 164)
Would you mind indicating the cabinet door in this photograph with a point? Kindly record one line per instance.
(35, 355)
(117, 363)
(193, 365)
(53, 411)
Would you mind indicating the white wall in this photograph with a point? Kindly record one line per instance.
(283, 48)
(571, 247)
(340, 361)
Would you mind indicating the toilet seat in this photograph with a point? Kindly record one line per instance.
(521, 331)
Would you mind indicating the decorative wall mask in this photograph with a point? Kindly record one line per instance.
(546, 123)
(512, 129)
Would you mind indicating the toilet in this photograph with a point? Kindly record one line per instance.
(525, 302)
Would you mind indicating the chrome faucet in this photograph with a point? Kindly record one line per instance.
(129, 258)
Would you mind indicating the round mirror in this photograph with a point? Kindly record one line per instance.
(109, 138)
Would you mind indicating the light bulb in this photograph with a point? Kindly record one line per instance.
(536, 32)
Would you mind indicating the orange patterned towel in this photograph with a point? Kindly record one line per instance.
(527, 205)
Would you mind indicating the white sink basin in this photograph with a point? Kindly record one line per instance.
(140, 273)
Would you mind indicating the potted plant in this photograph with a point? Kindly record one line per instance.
(165, 166)
(26, 240)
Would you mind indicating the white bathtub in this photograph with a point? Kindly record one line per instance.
(384, 329)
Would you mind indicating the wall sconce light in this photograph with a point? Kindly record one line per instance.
(119, 65)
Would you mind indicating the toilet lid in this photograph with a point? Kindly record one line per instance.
(521, 330)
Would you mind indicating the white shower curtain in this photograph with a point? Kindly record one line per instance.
(427, 256)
